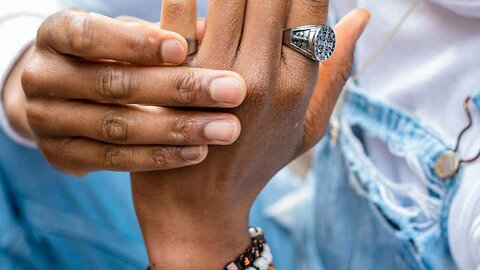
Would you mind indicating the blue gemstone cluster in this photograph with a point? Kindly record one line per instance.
(324, 43)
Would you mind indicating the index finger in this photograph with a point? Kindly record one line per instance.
(97, 37)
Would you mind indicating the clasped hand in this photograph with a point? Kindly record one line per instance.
(103, 93)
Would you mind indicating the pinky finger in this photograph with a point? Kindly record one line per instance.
(79, 156)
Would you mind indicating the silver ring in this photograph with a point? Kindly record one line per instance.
(192, 45)
(316, 42)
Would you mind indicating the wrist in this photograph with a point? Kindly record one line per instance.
(183, 234)
(181, 250)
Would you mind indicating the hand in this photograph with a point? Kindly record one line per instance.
(81, 89)
(196, 217)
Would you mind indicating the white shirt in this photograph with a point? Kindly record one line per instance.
(428, 69)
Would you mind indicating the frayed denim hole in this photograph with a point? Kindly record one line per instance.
(392, 224)
(408, 201)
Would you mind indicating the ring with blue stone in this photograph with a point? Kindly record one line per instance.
(316, 42)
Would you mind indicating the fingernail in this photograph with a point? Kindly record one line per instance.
(172, 51)
(192, 153)
(227, 90)
(222, 130)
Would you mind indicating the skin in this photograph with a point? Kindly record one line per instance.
(80, 96)
(196, 217)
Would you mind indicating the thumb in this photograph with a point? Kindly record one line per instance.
(333, 74)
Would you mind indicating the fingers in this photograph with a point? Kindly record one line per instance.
(200, 29)
(222, 36)
(333, 74)
(125, 84)
(78, 156)
(179, 16)
(132, 125)
(93, 36)
(262, 34)
(307, 12)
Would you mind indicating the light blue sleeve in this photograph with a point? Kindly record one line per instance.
(16, 245)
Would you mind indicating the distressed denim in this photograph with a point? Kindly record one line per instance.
(476, 101)
(52, 221)
(349, 215)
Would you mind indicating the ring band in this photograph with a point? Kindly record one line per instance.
(316, 42)
(192, 45)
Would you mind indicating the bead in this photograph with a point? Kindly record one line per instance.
(257, 257)
(267, 254)
(255, 232)
(245, 261)
(261, 263)
(232, 266)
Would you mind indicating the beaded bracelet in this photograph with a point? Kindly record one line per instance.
(257, 257)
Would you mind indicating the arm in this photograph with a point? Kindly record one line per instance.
(197, 217)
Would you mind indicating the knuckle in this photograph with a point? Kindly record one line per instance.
(258, 89)
(48, 148)
(114, 126)
(113, 84)
(32, 78)
(188, 88)
(346, 70)
(315, 8)
(116, 157)
(142, 43)
(35, 116)
(48, 27)
(336, 84)
(56, 152)
(316, 3)
(61, 156)
(80, 31)
(261, 78)
(160, 157)
(180, 130)
(297, 85)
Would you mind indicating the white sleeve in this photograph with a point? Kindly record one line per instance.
(467, 8)
(19, 21)
(464, 220)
